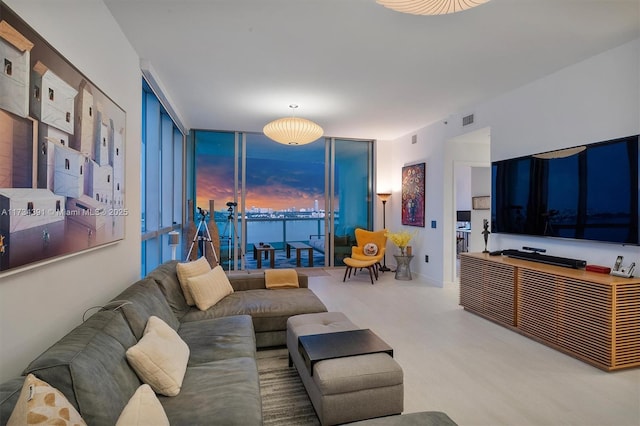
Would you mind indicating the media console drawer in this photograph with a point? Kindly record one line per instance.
(591, 316)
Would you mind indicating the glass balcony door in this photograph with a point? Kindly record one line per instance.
(351, 187)
(217, 185)
(283, 193)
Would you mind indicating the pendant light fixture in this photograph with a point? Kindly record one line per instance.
(293, 130)
(430, 7)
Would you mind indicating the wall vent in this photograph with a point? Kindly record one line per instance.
(466, 120)
(414, 139)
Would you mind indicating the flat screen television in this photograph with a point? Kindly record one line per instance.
(589, 192)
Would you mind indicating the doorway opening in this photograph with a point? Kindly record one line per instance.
(470, 159)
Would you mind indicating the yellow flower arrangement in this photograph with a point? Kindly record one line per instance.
(400, 239)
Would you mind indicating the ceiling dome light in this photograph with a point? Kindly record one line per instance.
(293, 130)
(430, 7)
(560, 153)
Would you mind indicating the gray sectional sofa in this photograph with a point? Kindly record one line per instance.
(221, 385)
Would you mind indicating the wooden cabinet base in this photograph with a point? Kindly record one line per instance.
(592, 317)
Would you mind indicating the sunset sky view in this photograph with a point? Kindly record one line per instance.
(279, 177)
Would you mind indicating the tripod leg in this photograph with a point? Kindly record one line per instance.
(235, 230)
(213, 249)
(224, 236)
(195, 238)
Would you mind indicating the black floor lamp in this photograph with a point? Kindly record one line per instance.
(384, 196)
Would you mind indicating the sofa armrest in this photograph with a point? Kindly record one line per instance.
(244, 281)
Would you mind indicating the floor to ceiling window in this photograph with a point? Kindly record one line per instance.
(283, 194)
(161, 181)
(352, 189)
(216, 189)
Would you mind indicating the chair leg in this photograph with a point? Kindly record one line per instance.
(345, 273)
(370, 268)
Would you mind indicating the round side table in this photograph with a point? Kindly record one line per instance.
(403, 270)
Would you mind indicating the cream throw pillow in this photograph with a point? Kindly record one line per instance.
(210, 288)
(160, 357)
(188, 270)
(40, 403)
(143, 409)
(281, 278)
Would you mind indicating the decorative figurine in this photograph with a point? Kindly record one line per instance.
(485, 232)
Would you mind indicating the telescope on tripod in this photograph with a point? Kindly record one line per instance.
(202, 237)
(229, 226)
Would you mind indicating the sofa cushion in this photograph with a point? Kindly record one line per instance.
(255, 281)
(269, 309)
(146, 300)
(219, 338)
(166, 278)
(160, 357)
(94, 349)
(143, 409)
(40, 403)
(9, 393)
(189, 270)
(225, 392)
(209, 288)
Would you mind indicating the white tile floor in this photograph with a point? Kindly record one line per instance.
(478, 372)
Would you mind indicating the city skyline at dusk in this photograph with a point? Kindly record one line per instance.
(287, 180)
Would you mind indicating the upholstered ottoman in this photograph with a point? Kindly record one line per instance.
(345, 389)
(424, 418)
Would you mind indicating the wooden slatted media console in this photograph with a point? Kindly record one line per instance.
(593, 317)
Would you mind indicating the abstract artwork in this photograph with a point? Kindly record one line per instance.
(61, 153)
(413, 198)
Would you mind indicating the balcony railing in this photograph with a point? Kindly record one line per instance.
(276, 231)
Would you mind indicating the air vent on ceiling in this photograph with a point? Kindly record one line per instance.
(466, 120)
(414, 139)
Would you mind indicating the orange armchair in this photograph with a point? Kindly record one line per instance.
(364, 237)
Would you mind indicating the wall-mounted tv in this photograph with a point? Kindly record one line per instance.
(588, 192)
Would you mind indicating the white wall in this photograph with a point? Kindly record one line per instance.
(594, 100)
(397, 154)
(40, 305)
(462, 179)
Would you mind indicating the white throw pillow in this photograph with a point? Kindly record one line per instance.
(210, 288)
(188, 270)
(160, 357)
(40, 403)
(143, 409)
(370, 249)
